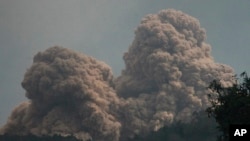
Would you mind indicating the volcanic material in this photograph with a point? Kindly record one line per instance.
(168, 68)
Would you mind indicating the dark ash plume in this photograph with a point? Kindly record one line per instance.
(168, 68)
(69, 94)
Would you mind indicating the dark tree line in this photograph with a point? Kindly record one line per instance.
(30, 137)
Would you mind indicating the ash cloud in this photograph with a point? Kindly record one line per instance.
(168, 69)
(69, 93)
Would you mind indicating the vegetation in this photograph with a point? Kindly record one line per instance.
(230, 105)
(30, 137)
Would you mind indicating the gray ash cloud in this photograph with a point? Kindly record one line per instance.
(168, 68)
(69, 93)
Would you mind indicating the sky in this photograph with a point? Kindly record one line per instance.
(105, 29)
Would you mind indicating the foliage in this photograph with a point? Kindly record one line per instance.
(230, 105)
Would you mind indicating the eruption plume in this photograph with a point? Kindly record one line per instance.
(168, 70)
(69, 93)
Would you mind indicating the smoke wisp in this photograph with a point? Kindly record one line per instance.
(168, 69)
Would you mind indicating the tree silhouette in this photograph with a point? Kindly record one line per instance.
(230, 105)
(30, 137)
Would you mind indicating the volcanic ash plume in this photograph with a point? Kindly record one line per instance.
(168, 68)
(69, 94)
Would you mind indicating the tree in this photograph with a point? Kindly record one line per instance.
(230, 105)
(31, 137)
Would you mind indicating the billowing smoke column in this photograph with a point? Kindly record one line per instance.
(70, 94)
(168, 69)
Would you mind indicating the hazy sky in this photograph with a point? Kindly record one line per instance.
(105, 29)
